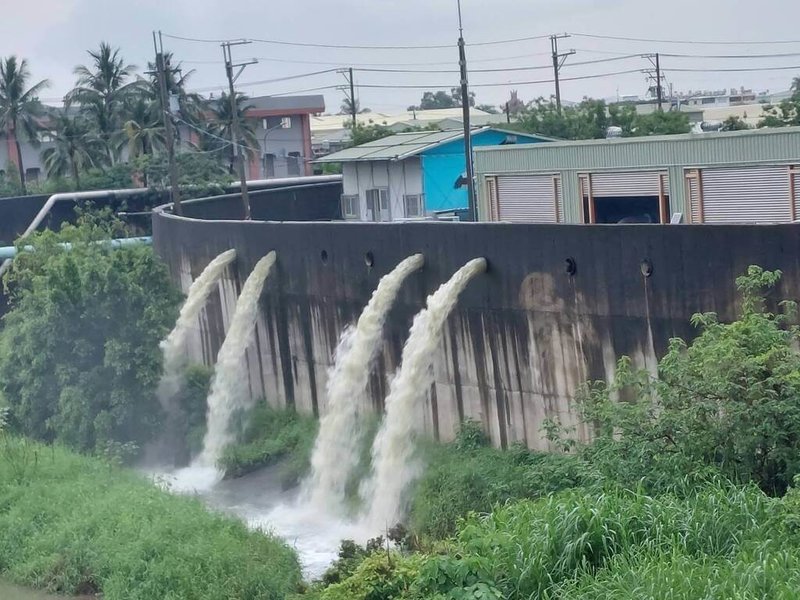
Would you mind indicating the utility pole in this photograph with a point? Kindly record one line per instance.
(462, 61)
(558, 62)
(658, 78)
(166, 117)
(351, 94)
(507, 110)
(239, 156)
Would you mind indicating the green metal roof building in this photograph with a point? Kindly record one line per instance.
(729, 177)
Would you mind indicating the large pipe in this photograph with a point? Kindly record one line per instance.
(74, 197)
(8, 253)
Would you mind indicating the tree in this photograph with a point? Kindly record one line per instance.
(143, 128)
(102, 91)
(20, 109)
(442, 99)
(785, 114)
(346, 107)
(662, 123)
(734, 123)
(75, 147)
(362, 134)
(79, 351)
(221, 125)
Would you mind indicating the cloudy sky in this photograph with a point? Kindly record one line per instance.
(55, 34)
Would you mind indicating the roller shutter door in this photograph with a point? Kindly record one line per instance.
(628, 184)
(527, 199)
(746, 195)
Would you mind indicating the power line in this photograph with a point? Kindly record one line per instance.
(698, 42)
(507, 69)
(274, 80)
(373, 64)
(734, 70)
(508, 83)
(359, 46)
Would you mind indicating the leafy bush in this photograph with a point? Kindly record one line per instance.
(468, 475)
(74, 526)
(271, 435)
(79, 355)
(730, 400)
(380, 576)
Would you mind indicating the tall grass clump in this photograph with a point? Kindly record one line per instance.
(76, 525)
(269, 435)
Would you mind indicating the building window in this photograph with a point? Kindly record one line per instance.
(269, 166)
(413, 205)
(378, 205)
(32, 174)
(351, 206)
(294, 163)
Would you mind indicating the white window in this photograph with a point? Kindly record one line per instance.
(413, 205)
(378, 205)
(351, 207)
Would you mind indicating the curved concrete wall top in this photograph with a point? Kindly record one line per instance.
(524, 336)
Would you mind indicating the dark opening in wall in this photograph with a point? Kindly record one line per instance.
(642, 209)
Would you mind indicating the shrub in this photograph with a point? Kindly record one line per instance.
(79, 355)
(730, 400)
(468, 476)
(271, 435)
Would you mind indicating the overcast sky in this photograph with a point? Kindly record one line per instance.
(55, 34)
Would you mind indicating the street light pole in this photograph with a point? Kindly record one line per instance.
(462, 61)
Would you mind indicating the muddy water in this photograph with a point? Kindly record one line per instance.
(259, 501)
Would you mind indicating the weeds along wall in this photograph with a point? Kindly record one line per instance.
(558, 305)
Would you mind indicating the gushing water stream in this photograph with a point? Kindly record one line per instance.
(393, 464)
(174, 345)
(229, 391)
(336, 449)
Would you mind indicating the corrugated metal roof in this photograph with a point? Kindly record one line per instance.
(395, 147)
(411, 143)
(696, 150)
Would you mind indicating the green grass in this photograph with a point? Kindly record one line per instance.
(71, 524)
(469, 475)
(272, 435)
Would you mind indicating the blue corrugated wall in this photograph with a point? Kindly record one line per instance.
(442, 166)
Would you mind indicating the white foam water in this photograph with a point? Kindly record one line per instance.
(393, 465)
(229, 391)
(173, 346)
(336, 450)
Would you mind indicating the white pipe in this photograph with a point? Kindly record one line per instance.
(73, 196)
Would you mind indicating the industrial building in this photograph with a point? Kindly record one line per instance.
(414, 174)
(726, 177)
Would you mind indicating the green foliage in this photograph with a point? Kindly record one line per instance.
(272, 435)
(786, 113)
(526, 548)
(192, 401)
(590, 119)
(468, 476)
(76, 527)
(361, 134)
(734, 123)
(730, 400)
(442, 99)
(380, 576)
(79, 354)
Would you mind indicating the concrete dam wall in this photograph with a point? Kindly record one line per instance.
(558, 305)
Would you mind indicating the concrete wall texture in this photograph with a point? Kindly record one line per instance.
(523, 337)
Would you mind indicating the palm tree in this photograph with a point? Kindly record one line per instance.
(144, 128)
(101, 92)
(20, 109)
(221, 125)
(76, 147)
